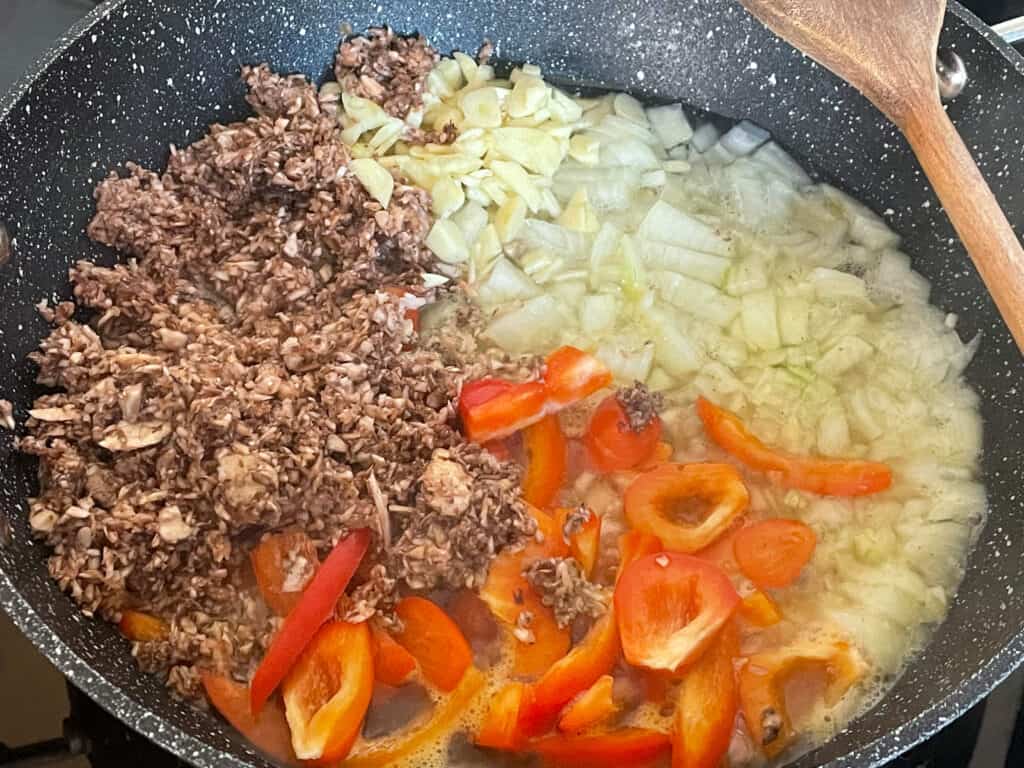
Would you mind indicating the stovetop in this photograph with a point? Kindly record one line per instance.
(991, 735)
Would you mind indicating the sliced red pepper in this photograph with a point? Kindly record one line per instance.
(328, 692)
(509, 595)
(759, 610)
(572, 675)
(707, 705)
(435, 641)
(612, 444)
(271, 560)
(314, 607)
(269, 730)
(772, 553)
(392, 749)
(508, 409)
(546, 451)
(634, 545)
(392, 664)
(594, 706)
(670, 608)
(762, 683)
(654, 500)
(584, 541)
(635, 747)
(829, 477)
(571, 375)
(142, 627)
(500, 728)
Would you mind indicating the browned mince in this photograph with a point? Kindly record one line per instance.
(241, 373)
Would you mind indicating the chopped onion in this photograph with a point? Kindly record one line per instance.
(743, 138)
(704, 137)
(670, 124)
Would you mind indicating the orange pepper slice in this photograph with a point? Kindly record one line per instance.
(392, 664)
(328, 692)
(435, 641)
(762, 686)
(772, 553)
(545, 449)
(829, 477)
(592, 707)
(670, 608)
(656, 496)
(268, 731)
(635, 747)
(759, 610)
(391, 749)
(269, 564)
(500, 728)
(707, 705)
(142, 627)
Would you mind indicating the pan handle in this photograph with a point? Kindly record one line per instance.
(1011, 30)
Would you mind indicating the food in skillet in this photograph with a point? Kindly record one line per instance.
(437, 418)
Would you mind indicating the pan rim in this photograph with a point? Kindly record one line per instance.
(142, 719)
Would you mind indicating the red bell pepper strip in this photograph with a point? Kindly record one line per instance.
(500, 728)
(313, 609)
(508, 409)
(435, 641)
(829, 477)
(546, 450)
(634, 747)
(670, 608)
(327, 693)
(584, 541)
(612, 444)
(269, 730)
(772, 553)
(707, 705)
(592, 707)
(392, 664)
(571, 375)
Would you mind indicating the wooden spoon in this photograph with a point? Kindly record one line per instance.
(887, 51)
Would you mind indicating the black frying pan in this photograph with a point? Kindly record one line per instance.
(138, 74)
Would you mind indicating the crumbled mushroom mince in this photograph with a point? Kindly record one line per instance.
(6, 415)
(640, 404)
(243, 374)
(386, 68)
(562, 586)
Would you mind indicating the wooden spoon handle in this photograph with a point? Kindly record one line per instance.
(972, 208)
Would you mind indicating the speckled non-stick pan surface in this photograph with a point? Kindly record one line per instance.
(137, 75)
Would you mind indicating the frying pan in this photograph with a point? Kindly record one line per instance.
(136, 75)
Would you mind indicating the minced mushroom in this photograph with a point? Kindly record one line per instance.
(640, 404)
(562, 586)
